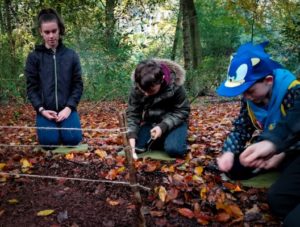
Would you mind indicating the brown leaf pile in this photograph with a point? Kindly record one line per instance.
(189, 188)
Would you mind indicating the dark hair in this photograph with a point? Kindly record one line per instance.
(47, 15)
(147, 74)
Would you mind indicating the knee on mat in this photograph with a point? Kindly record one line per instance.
(174, 151)
(72, 140)
(48, 141)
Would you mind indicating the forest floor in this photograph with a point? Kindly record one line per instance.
(184, 192)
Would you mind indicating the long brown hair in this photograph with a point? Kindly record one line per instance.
(47, 15)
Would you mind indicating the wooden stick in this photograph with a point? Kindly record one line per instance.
(132, 173)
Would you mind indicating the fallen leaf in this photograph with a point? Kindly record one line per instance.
(178, 178)
(197, 208)
(25, 163)
(203, 193)
(198, 170)
(186, 212)
(151, 166)
(182, 167)
(172, 194)
(101, 153)
(45, 212)
(70, 156)
(236, 211)
(121, 169)
(12, 201)
(112, 202)
(156, 213)
(238, 189)
(2, 179)
(232, 187)
(229, 185)
(112, 174)
(198, 179)
(222, 217)
(231, 209)
(218, 135)
(202, 221)
(2, 165)
(202, 218)
(166, 169)
(162, 193)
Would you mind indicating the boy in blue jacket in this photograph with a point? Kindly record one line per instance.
(268, 95)
(284, 194)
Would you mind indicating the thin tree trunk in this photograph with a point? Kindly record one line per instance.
(177, 32)
(186, 35)
(7, 6)
(9, 29)
(110, 22)
(1, 19)
(195, 34)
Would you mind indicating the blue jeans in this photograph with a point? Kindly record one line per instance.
(56, 137)
(173, 142)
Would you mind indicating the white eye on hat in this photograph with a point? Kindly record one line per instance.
(240, 74)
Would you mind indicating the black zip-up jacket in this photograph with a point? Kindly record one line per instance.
(168, 109)
(53, 79)
(286, 134)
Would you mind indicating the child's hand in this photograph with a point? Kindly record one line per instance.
(256, 154)
(155, 132)
(274, 161)
(225, 161)
(132, 145)
(63, 114)
(50, 115)
(134, 155)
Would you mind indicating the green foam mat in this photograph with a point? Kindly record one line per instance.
(264, 180)
(66, 150)
(155, 154)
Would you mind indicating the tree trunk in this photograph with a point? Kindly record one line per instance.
(9, 28)
(177, 32)
(1, 19)
(186, 35)
(7, 6)
(195, 34)
(110, 23)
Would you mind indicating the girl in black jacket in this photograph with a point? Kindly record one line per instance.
(158, 108)
(54, 84)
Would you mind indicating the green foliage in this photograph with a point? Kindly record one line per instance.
(12, 83)
(145, 29)
(285, 44)
(219, 37)
(208, 76)
(273, 20)
(106, 77)
(219, 29)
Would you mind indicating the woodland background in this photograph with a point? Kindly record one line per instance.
(112, 36)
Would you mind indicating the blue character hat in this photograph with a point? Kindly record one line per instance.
(249, 64)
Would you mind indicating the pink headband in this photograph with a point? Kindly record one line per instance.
(166, 71)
